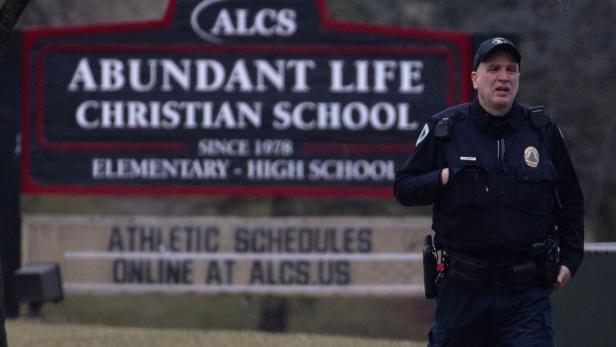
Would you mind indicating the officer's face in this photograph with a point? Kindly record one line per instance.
(497, 80)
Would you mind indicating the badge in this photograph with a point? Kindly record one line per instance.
(423, 134)
(498, 41)
(531, 156)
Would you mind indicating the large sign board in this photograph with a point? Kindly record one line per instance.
(287, 256)
(232, 97)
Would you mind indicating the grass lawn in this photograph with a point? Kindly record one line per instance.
(24, 333)
(388, 318)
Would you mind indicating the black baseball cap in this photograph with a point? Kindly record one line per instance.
(490, 45)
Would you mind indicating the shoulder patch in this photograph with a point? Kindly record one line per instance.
(423, 134)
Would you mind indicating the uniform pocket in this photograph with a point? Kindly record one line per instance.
(467, 189)
(535, 188)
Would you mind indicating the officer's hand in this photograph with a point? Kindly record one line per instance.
(564, 275)
(445, 176)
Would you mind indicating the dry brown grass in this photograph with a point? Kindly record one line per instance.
(33, 334)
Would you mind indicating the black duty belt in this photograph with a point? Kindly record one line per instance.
(476, 274)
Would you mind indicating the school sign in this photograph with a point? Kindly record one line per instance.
(231, 97)
(210, 255)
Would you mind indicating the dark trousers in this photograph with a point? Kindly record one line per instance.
(498, 316)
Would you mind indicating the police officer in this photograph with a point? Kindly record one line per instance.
(507, 209)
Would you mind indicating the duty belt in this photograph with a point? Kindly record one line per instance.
(476, 274)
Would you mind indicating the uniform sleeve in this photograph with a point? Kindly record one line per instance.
(569, 215)
(418, 182)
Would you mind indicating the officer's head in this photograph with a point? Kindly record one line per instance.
(496, 74)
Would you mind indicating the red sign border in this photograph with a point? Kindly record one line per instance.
(28, 185)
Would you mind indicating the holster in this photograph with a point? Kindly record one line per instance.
(429, 268)
(551, 267)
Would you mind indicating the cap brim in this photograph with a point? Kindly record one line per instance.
(503, 46)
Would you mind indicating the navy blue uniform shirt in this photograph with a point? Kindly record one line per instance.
(500, 195)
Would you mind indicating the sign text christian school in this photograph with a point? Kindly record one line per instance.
(231, 97)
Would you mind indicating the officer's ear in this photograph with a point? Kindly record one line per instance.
(474, 77)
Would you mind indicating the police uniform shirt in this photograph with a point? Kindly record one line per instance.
(502, 176)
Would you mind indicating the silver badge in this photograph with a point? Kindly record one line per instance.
(531, 156)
